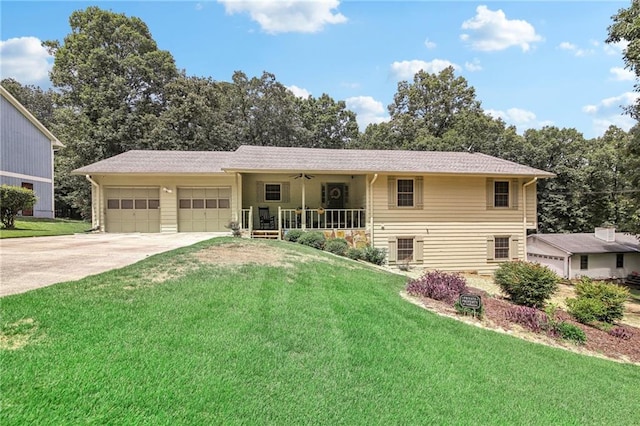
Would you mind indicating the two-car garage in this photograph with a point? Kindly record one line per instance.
(138, 209)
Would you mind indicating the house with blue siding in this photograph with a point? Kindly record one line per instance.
(26, 153)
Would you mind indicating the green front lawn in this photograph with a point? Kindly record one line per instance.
(186, 338)
(36, 227)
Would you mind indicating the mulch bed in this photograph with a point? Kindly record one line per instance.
(599, 342)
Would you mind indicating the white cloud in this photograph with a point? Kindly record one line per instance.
(516, 116)
(608, 112)
(577, 51)
(25, 60)
(491, 30)
(275, 16)
(299, 91)
(615, 48)
(430, 44)
(405, 70)
(621, 74)
(368, 110)
(473, 66)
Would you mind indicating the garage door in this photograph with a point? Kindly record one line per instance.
(133, 210)
(555, 263)
(203, 209)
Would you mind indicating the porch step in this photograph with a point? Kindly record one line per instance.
(633, 279)
(266, 234)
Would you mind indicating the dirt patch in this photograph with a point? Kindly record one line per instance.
(241, 254)
(18, 334)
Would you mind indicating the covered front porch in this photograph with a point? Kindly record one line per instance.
(275, 203)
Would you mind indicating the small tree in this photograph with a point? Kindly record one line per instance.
(12, 200)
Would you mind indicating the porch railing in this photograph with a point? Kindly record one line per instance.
(321, 218)
(246, 219)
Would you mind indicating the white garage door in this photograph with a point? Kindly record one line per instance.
(203, 209)
(555, 263)
(133, 209)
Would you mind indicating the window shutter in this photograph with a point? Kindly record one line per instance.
(323, 190)
(514, 248)
(346, 195)
(515, 184)
(392, 250)
(491, 252)
(490, 189)
(418, 252)
(284, 188)
(260, 191)
(392, 188)
(418, 192)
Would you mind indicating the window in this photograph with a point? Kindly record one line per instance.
(154, 204)
(126, 204)
(212, 203)
(141, 204)
(185, 203)
(272, 192)
(224, 203)
(501, 194)
(404, 249)
(620, 260)
(584, 262)
(501, 248)
(405, 192)
(113, 204)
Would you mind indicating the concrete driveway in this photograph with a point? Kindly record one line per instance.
(29, 263)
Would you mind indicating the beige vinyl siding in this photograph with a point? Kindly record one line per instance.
(454, 224)
(532, 205)
(168, 192)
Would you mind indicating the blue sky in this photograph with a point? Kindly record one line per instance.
(532, 63)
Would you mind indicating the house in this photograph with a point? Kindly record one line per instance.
(26, 154)
(603, 254)
(446, 210)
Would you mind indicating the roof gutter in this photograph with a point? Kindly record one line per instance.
(524, 213)
(95, 211)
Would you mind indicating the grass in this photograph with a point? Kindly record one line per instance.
(38, 227)
(316, 340)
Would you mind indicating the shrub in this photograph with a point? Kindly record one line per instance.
(597, 301)
(354, 253)
(571, 332)
(529, 318)
(438, 285)
(621, 333)
(12, 200)
(235, 228)
(527, 284)
(337, 246)
(293, 235)
(313, 239)
(373, 255)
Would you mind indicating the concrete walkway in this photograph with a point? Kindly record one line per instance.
(30, 263)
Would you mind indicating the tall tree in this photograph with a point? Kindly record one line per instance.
(432, 103)
(329, 124)
(110, 78)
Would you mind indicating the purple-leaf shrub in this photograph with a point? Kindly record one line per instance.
(527, 317)
(438, 285)
(621, 333)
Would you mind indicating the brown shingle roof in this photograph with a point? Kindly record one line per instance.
(278, 159)
(589, 244)
(160, 162)
(271, 159)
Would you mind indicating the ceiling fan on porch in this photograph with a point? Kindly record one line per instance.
(299, 175)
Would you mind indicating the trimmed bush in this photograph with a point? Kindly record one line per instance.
(438, 285)
(337, 246)
(374, 255)
(571, 332)
(529, 318)
(527, 284)
(293, 235)
(354, 253)
(313, 239)
(12, 200)
(597, 301)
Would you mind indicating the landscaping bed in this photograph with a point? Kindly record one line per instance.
(599, 342)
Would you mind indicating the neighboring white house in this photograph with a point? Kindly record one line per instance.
(26, 153)
(603, 254)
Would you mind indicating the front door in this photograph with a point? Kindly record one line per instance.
(335, 195)
(27, 212)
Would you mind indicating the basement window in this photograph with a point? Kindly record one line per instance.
(404, 249)
(620, 260)
(501, 248)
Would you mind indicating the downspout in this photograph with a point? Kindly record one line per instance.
(97, 210)
(524, 213)
(375, 177)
